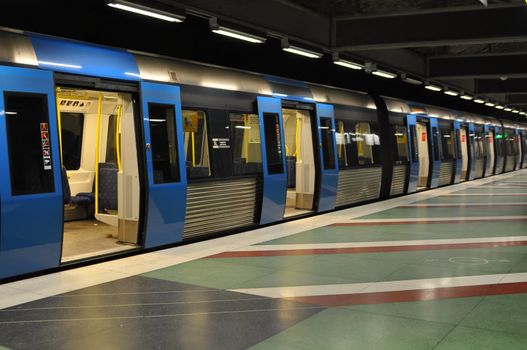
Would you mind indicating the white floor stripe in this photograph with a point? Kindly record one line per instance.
(65, 281)
(373, 287)
(259, 248)
(455, 218)
(417, 205)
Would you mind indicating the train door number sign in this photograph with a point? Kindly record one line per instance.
(46, 150)
(463, 138)
(423, 136)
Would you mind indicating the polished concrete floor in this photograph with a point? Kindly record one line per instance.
(441, 269)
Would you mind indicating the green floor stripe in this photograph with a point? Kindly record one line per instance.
(447, 212)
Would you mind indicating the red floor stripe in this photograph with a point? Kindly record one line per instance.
(416, 222)
(413, 295)
(355, 250)
(462, 205)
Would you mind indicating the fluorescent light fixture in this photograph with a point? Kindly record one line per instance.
(507, 109)
(410, 80)
(346, 63)
(10, 113)
(451, 92)
(299, 50)
(479, 100)
(57, 64)
(234, 33)
(499, 107)
(279, 95)
(157, 120)
(515, 111)
(242, 127)
(146, 11)
(432, 87)
(384, 74)
(522, 113)
(466, 97)
(490, 104)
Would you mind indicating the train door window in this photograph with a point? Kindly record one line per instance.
(400, 149)
(196, 143)
(273, 143)
(327, 143)
(245, 143)
(447, 144)
(300, 161)
(415, 148)
(72, 125)
(435, 143)
(102, 192)
(164, 143)
(365, 141)
(423, 155)
(27, 124)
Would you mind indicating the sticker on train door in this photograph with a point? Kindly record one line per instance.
(423, 136)
(490, 138)
(463, 138)
(46, 152)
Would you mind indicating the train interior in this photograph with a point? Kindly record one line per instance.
(464, 153)
(100, 172)
(424, 162)
(300, 161)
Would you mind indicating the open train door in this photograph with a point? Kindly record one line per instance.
(328, 149)
(274, 172)
(413, 177)
(458, 152)
(435, 143)
(167, 180)
(471, 151)
(30, 182)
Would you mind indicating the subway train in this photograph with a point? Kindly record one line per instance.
(105, 151)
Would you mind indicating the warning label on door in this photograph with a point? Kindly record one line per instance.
(220, 143)
(423, 136)
(46, 152)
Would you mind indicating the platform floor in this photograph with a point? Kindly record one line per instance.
(441, 269)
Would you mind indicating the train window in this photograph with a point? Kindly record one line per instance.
(328, 150)
(273, 144)
(480, 146)
(111, 149)
(400, 149)
(245, 143)
(164, 143)
(365, 141)
(72, 125)
(447, 144)
(342, 141)
(29, 145)
(196, 144)
(458, 144)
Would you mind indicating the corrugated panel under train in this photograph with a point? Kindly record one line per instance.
(358, 185)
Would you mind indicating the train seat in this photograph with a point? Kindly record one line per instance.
(78, 207)
(108, 187)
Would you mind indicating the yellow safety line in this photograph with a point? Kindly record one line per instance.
(59, 122)
(97, 146)
(117, 143)
(193, 149)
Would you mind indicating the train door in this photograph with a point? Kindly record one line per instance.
(413, 173)
(424, 159)
(100, 172)
(30, 186)
(167, 179)
(436, 154)
(490, 152)
(328, 149)
(524, 148)
(458, 156)
(463, 142)
(301, 167)
(519, 151)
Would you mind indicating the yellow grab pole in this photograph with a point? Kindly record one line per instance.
(59, 122)
(193, 149)
(246, 135)
(117, 140)
(297, 140)
(97, 148)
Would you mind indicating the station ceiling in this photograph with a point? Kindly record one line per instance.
(458, 44)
